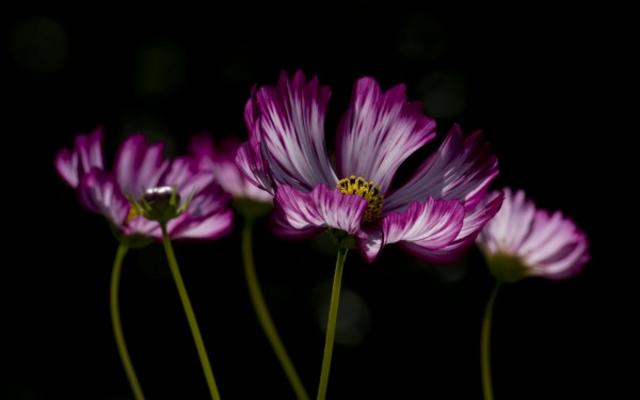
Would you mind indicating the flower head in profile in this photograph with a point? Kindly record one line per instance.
(525, 241)
(436, 214)
(220, 161)
(248, 199)
(145, 188)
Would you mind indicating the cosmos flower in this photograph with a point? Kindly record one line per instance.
(141, 175)
(435, 215)
(524, 241)
(220, 161)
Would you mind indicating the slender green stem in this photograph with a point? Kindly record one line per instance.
(191, 316)
(485, 345)
(117, 325)
(264, 317)
(331, 324)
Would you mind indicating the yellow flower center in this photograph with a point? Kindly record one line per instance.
(358, 186)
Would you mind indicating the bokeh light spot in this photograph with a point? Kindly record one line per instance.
(444, 94)
(39, 45)
(421, 38)
(160, 69)
(354, 315)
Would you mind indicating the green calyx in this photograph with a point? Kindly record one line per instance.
(136, 241)
(251, 209)
(506, 268)
(342, 239)
(160, 204)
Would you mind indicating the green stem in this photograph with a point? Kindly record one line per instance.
(264, 317)
(117, 325)
(331, 324)
(485, 345)
(191, 316)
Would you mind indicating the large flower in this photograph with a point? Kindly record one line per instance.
(436, 214)
(142, 174)
(524, 241)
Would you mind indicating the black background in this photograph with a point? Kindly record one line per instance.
(536, 81)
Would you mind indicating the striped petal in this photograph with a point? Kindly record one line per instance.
(425, 227)
(250, 162)
(462, 169)
(139, 166)
(300, 214)
(432, 224)
(212, 227)
(379, 131)
(66, 163)
(472, 224)
(370, 242)
(555, 247)
(86, 155)
(186, 177)
(99, 192)
(249, 158)
(291, 137)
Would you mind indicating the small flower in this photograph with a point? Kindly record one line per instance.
(220, 161)
(524, 241)
(248, 199)
(145, 189)
(436, 214)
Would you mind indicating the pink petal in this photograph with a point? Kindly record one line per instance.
(211, 227)
(300, 213)
(250, 162)
(99, 193)
(472, 224)
(430, 225)
(139, 166)
(291, 131)
(72, 165)
(66, 163)
(379, 131)
(89, 150)
(461, 168)
(370, 242)
(186, 177)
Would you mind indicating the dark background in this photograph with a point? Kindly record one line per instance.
(535, 80)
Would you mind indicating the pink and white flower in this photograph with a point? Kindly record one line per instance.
(220, 161)
(522, 240)
(141, 168)
(436, 214)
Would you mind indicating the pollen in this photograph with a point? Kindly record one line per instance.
(357, 185)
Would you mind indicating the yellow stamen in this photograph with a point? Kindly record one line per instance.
(133, 213)
(358, 186)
